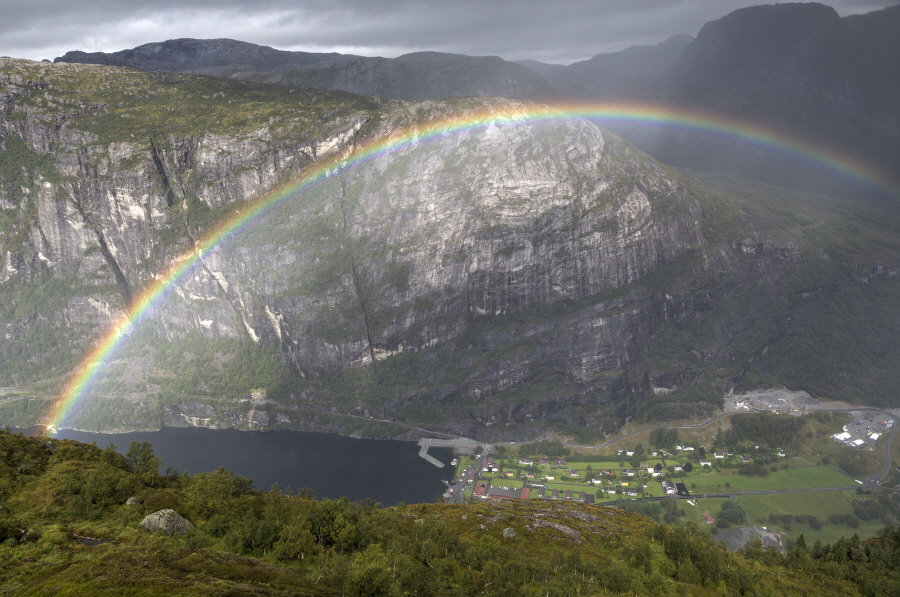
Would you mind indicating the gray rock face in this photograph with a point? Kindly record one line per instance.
(402, 254)
(508, 533)
(133, 501)
(167, 520)
(494, 276)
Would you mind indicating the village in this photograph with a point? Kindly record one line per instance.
(626, 474)
(782, 473)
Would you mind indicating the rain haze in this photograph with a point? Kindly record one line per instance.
(556, 32)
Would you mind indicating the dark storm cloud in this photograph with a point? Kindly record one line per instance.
(553, 31)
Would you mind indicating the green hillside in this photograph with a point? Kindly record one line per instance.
(66, 528)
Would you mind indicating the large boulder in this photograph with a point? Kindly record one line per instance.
(167, 520)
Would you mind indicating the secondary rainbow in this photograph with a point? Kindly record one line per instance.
(143, 302)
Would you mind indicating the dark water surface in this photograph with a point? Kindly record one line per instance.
(333, 465)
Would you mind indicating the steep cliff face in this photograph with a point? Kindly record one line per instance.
(500, 279)
(389, 256)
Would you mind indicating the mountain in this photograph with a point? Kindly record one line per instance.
(504, 280)
(413, 77)
(618, 74)
(419, 76)
(796, 68)
(221, 57)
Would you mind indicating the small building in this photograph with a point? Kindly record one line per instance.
(629, 452)
(707, 518)
(705, 462)
(526, 493)
(568, 494)
(745, 459)
(629, 472)
(582, 495)
(542, 491)
(669, 488)
(874, 437)
(544, 462)
(719, 455)
(555, 494)
(678, 468)
(526, 461)
(550, 477)
(560, 463)
(480, 488)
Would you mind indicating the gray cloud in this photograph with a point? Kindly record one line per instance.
(560, 31)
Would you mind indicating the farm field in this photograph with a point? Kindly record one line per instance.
(822, 504)
(792, 478)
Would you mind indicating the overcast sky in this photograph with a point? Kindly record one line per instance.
(559, 31)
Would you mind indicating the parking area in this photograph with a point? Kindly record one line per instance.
(867, 427)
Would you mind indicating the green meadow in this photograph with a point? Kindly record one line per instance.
(821, 503)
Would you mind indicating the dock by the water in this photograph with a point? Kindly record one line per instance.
(461, 443)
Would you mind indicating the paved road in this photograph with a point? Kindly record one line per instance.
(738, 493)
(456, 496)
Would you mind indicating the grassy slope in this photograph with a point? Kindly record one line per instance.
(248, 542)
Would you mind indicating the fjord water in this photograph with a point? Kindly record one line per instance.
(332, 465)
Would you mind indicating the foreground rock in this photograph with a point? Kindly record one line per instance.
(167, 520)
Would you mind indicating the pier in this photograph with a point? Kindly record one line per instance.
(462, 443)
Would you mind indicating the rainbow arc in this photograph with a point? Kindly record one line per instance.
(143, 302)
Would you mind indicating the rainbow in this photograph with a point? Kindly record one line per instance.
(143, 302)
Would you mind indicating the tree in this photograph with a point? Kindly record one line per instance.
(141, 461)
(111, 457)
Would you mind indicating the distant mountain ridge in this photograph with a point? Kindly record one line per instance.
(797, 68)
(419, 76)
(220, 57)
(614, 74)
